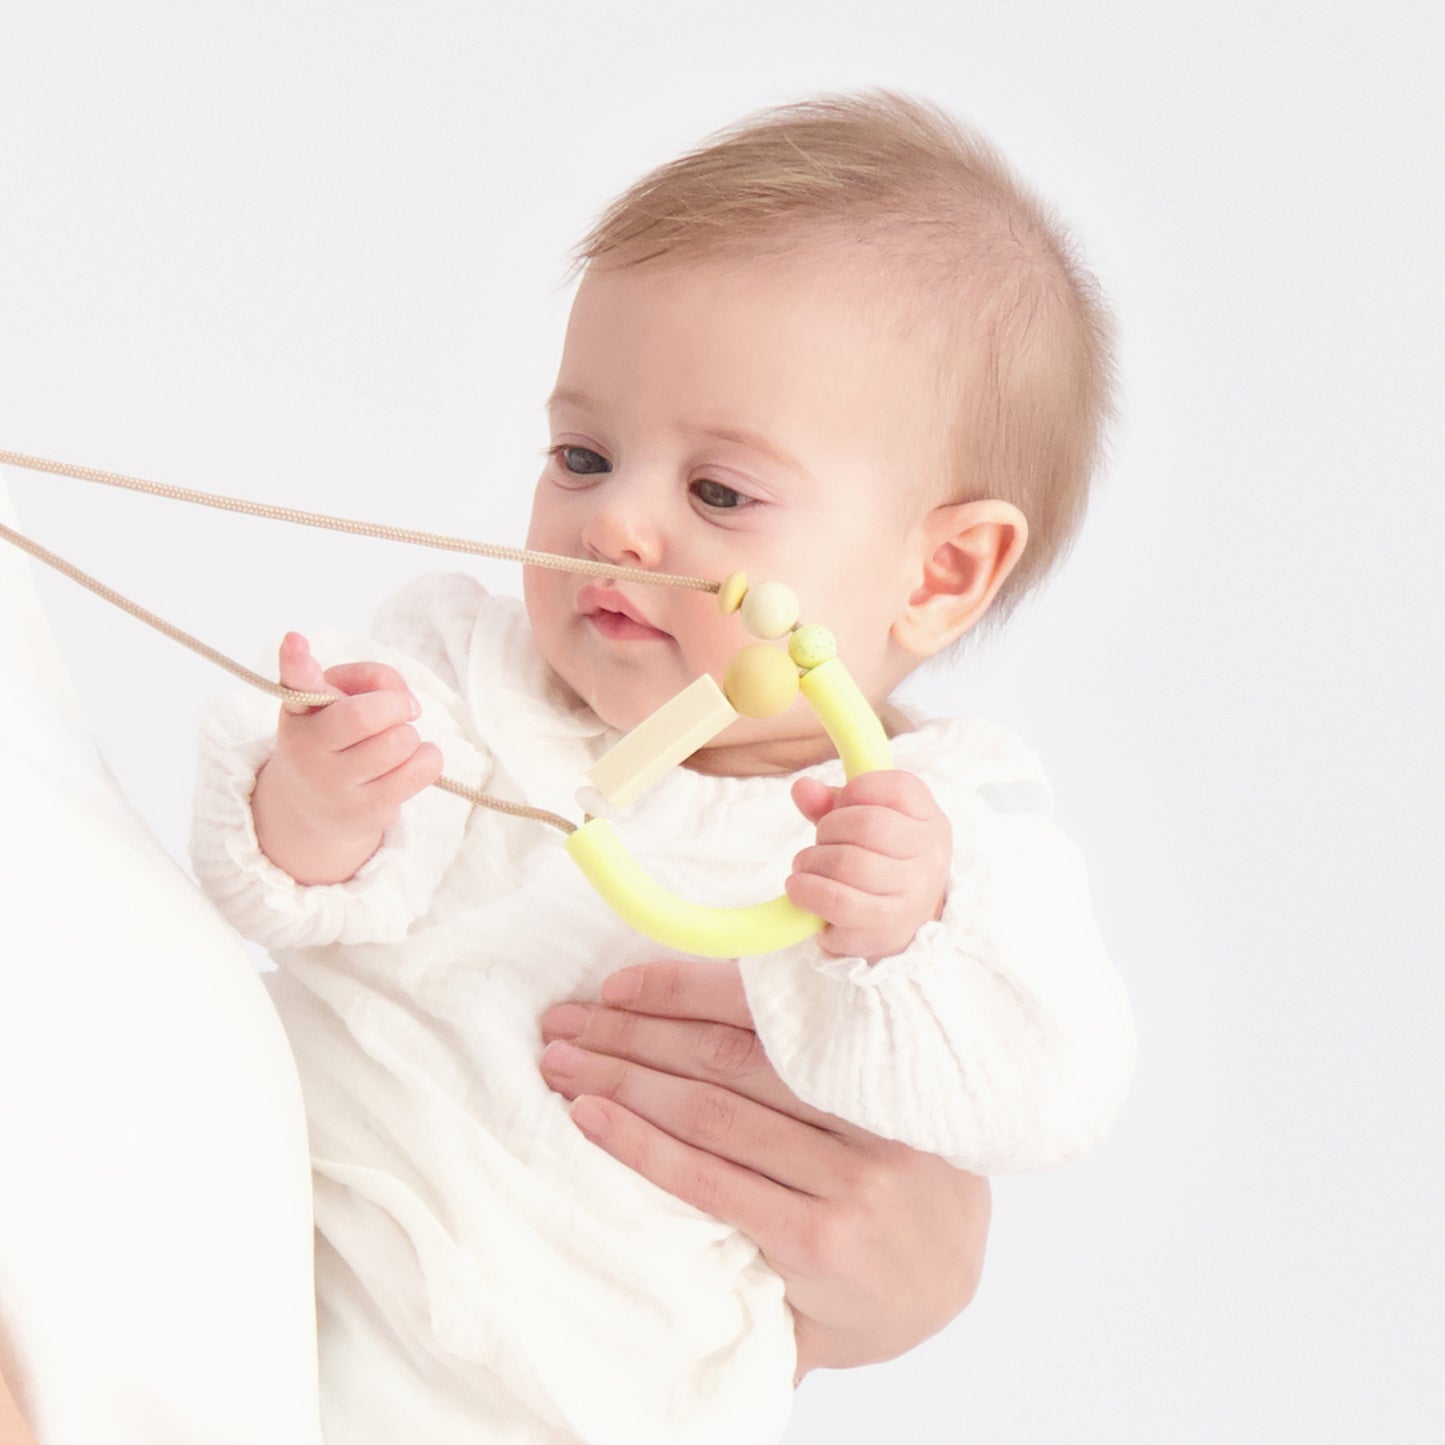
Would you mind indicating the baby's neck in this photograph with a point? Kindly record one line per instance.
(785, 755)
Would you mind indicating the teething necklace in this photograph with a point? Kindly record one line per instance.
(761, 680)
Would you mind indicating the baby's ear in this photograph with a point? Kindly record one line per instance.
(965, 551)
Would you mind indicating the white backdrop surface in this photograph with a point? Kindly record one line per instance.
(312, 254)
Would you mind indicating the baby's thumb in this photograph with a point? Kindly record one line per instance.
(300, 671)
(814, 799)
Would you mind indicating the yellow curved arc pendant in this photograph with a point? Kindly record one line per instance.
(712, 932)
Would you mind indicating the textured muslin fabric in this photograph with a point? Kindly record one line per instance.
(484, 1272)
(155, 1209)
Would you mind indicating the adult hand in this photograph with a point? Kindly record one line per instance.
(879, 1246)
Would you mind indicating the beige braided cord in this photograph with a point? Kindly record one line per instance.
(335, 524)
(286, 694)
(236, 669)
(437, 540)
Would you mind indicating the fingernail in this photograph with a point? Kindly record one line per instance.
(565, 1021)
(415, 708)
(622, 988)
(562, 1059)
(589, 1116)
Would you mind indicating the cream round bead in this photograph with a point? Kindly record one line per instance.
(769, 610)
(760, 681)
(810, 645)
(731, 593)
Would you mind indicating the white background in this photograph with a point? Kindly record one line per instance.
(312, 254)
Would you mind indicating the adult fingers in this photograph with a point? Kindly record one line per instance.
(692, 1049)
(703, 1116)
(682, 989)
(768, 1212)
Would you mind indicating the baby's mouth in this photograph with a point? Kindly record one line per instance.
(618, 627)
(614, 615)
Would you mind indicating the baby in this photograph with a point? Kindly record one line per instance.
(839, 347)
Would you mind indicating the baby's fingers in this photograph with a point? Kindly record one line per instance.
(358, 677)
(846, 863)
(299, 671)
(376, 756)
(352, 720)
(852, 916)
(881, 830)
(417, 772)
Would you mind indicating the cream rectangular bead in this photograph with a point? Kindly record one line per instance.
(675, 731)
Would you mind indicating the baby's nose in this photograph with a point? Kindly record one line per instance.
(625, 530)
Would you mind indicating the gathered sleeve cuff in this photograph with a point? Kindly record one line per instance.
(1001, 1038)
(394, 887)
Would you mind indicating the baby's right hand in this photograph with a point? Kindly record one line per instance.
(340, 773)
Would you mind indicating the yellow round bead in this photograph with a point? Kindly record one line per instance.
(761, 681)
(730, 595)
(769, 610)
(810, 645)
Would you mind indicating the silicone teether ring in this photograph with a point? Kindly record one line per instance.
(760, 927)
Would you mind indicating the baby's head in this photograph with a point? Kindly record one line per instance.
(838, 347)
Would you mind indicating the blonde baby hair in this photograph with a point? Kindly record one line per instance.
(981, 267)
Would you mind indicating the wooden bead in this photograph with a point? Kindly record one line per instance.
(769, 610)
(810, 645)
(761, 681)
(731, 593)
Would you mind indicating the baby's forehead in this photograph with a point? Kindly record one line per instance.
(771, 342)
(857, 302)
(768, 328)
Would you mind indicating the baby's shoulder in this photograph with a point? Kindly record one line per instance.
(442, 605)
(970, 758)
(434, 597)
(437, 619)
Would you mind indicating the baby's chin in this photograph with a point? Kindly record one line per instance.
(621, 715)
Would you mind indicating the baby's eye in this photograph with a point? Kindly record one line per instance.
(582, 461)
(714, 494)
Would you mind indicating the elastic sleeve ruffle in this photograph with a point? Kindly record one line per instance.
(395, 886)
(1001, 1038)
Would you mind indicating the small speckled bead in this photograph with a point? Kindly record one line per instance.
(760, 681)
(810, 645)
(769, 610)
(730, 595)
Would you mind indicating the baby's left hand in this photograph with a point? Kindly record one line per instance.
(879, 869)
